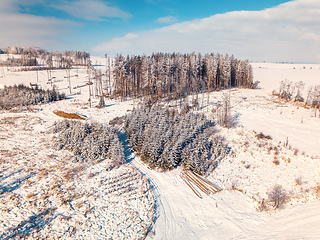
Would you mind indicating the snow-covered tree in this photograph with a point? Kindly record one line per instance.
(20, 95)
(173, 76)
(166, 139)
(92, 141)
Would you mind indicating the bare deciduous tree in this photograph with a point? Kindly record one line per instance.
(299, 86)
(278, 196)
(90, 68)
(68, 69)
(223, 113)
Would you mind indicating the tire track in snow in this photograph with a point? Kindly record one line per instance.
(164, 224)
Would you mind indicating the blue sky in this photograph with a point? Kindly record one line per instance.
(272, 30)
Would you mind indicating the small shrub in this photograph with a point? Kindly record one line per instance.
(277, 196)
(223, 113)
(235, 187)
(64, 218)
(288, 160)
(275, 93)
(116, 121)
(276, 161)
(262, 136)
(276, 151)
(317, 189)
(298, 181)
(262, 206)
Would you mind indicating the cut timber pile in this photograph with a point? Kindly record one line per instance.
(195, 181)
(190, 185)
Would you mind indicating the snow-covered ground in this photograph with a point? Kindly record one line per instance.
(271, 74)
(246, 177)
(48, 194)
(259, 111)
(277, 118)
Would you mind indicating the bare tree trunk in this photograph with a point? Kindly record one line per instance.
(89, 91)
(69, 77)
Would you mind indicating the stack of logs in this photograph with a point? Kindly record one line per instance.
(195, 181)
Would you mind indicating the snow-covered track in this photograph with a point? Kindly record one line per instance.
(163, 209)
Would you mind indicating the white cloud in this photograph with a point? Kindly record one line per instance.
(93, 10)
(29, 30)
(288, 32)
(23, 29)
(167, 19)
(26, 29)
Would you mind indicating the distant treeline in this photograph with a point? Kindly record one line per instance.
(289, 90)
(21, 95)
(23, 50)
(23, 61)
(293, 91)
(174, 76)
(28, 56)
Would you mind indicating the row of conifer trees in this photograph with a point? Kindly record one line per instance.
(21, 95)
(165, 139)
(92, 141)
(174, 76)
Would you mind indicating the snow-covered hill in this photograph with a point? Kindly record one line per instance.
(29, 165)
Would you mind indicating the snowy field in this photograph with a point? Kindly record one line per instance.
(44, 193)
(47, 194)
